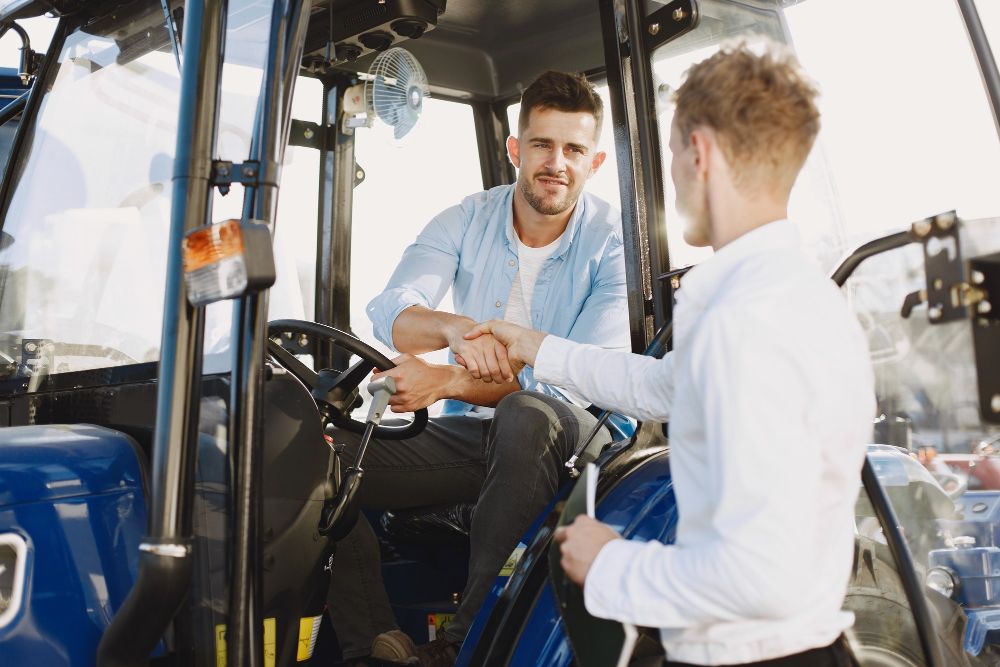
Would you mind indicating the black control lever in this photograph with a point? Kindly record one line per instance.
(341, 513)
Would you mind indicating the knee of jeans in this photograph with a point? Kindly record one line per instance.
(523, 424)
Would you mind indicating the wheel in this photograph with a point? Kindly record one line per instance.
(335, 391)
(885, 633)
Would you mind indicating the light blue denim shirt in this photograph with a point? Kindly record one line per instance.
(580, 293)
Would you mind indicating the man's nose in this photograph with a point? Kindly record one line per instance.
(556, 161)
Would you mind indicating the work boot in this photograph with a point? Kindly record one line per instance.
(395, 646)
(438, 653)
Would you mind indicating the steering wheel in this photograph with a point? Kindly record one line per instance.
(335, 391)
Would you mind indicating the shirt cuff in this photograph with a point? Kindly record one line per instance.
(603, 588)
(383, 314)
(552, 360)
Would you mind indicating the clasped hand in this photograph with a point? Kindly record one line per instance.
(484, 356)
(490, 350)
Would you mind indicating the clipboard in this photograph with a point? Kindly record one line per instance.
(596, 642)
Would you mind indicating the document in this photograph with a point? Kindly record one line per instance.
(596, 642)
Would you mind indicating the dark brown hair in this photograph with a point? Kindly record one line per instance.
(561, 91)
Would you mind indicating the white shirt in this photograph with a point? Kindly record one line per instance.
(529, 263)
(770, 398)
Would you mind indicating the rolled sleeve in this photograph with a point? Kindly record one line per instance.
(386, 307)
(423, 275)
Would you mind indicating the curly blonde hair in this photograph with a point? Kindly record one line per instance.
(762, 108)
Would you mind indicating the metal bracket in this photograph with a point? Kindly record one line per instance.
(310, 135)
(36, 352)
(958, 290)
(225, 173)
(984, 274)
(320, 137)
(948, 295)
(670, 22)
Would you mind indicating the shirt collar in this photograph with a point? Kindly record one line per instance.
(572, 227)
(704, 280)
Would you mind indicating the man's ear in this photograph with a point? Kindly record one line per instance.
(514, 151)
(701, 141)
(598, 160)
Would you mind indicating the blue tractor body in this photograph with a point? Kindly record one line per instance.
(73, 498)
(641, 506)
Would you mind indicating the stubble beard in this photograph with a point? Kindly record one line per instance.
(549, 207)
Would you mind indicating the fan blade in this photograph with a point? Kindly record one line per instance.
(407, 119)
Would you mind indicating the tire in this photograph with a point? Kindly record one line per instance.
(884, 632)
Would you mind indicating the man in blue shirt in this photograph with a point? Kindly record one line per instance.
(540, 253)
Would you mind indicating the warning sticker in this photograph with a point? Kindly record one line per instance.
(220, 645)
(270, 642)
(437, 623)
(308, 631)
(512, 560)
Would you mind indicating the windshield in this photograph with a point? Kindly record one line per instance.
(83, 251)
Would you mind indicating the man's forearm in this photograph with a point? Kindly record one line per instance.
(417, 329)
(464, 387)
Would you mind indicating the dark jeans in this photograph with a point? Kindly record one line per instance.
(510, 466)
(837, 654)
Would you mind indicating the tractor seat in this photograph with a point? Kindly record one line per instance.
(429, 526)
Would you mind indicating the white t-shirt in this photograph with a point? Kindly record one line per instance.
(530, 262)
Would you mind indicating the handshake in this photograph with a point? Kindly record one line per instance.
(491, 351)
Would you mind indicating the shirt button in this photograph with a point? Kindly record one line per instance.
(511, 263)
(498, 304)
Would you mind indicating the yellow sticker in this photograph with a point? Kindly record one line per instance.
(308, 631)
(436, 623)
(270, 643)
(220, 645)
(515, 556)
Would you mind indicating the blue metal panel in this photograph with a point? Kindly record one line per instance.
(980, 518)
(984, 625)
(75, 494)
(476, 629)
(641, 507)
(978, 569)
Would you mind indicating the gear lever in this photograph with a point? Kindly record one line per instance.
(340, 514)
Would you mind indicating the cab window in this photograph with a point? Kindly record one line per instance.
(407, 182)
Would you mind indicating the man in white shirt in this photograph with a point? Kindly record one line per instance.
(768, 392)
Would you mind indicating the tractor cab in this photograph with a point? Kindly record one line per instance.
(201, 197)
